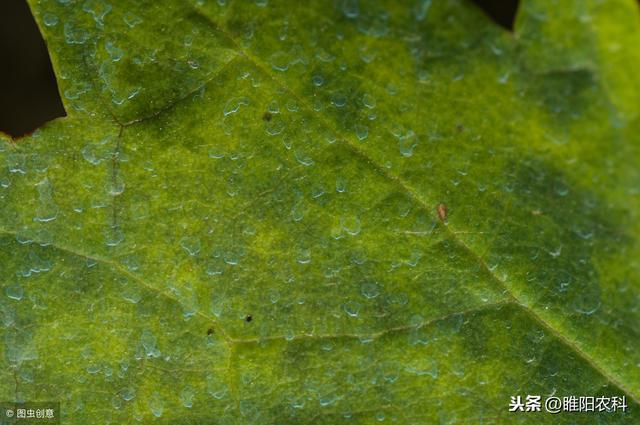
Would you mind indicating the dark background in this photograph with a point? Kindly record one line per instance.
(28, 91)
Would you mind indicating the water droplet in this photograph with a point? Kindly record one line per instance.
(215, 388)
(390, 371)
(186, 396)
(188, 300)
(148, 341)
(352, 308)
(73, 35)
(191, 245)
(213, 268)
(406, 146)
(233, 105)
(131, 19)
(133, 92)
(47, 209)
(113, 236)
(303, 158)
(216, 153)
(350, 8)
(318, 80)
(327, 399)
(116, 403)
(98, 8)
(94, 368)
(289, 334)
(156, 404)
(115, 53)
(35, 264)
(297, 212)
(304, 256)
(416, 321)
(131, 294)
(351, 225)
(297, 403)
(287, 142)
(115, 185)
(338, 99)
(16, 163)
(74, 92)
(368, 101)
(274, 296)
(292, 105)
(370, 290)
(317, 191)
(587, 302)
(362, 131)
(556, 253)
(15, 292)
(231, 257)
(367, 56)
(341, 185)
(280, 61)
(50, 19)
(413, 261)
(273, 107)
(324, 56)
(561, 189)
(274, 127)
(127, 393)
(399, 298)
(421, 9)
(424, 366)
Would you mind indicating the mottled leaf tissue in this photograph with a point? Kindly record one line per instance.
(327, 212)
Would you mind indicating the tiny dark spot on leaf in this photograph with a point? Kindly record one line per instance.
(210, 331)
(267, 116)
(248, 318)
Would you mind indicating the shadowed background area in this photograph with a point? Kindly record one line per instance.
(28, 91)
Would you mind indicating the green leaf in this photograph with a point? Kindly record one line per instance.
(326, 212)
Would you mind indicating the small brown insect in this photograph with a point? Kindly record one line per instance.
(210, 331)
(267, 116)
(248, 318)
(442, 212)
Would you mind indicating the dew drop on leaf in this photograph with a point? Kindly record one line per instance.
(156, 404)
(15, 292)
(352, 308)
(370, 290)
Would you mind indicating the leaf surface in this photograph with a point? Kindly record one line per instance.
(326, 212)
